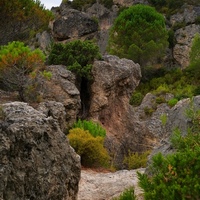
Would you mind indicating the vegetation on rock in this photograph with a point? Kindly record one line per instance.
(139, 33)
(176, 176)
(128, 194)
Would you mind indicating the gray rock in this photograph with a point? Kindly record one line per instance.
(36, 160)
(73, 24)
(107, 185)
(55, 110)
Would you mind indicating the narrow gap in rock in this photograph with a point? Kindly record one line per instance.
(85, 98)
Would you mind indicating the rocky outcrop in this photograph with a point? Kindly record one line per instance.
(61, 88)
(107, 185)
(36, 161)
(114, 81)
(73, 24)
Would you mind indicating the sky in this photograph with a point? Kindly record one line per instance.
(50, 3)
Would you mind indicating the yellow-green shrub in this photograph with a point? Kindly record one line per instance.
(136, 160)
(91, 149)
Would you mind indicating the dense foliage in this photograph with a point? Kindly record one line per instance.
(94, 128)
(17, 63)
(90, 148)
(139, 34)
(77, 55)
(177, 175)
(23, 18)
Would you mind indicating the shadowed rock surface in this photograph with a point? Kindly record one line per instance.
(36, 161)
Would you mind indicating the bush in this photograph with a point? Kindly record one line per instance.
(128, 194)
(172, 102)
(176, 176)
(94, 128)
(136, 99)
(91, 149)
(77, 55)
(136, 160)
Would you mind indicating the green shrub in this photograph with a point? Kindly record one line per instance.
(177, 175)
(77, 55)
(90, 149)
(128, 194)
(136, 160)
(136, 99)
(94, 128)
(172, 102)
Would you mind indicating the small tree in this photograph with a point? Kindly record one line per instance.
(139, 34)
(17, 62)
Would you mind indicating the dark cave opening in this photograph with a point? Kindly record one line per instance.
(85, 97)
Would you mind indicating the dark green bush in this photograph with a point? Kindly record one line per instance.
(91, 149)
(136, 99)
(177, 175)
(95, 129)
(128, 194)
(77, 55)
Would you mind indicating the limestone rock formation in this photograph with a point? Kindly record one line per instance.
(114, 81)
(61, 88)
(73, 24)
(36, 160)
(107, 185)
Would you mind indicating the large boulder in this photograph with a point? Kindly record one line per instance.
(61, 88)
(36, 160)
(114, 81)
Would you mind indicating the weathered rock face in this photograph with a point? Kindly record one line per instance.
(102, 185)
(73, 24)
(55, 110)
(36, 161)
(182, 48)
(61, 88)
(183, 36)
(114, 81)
